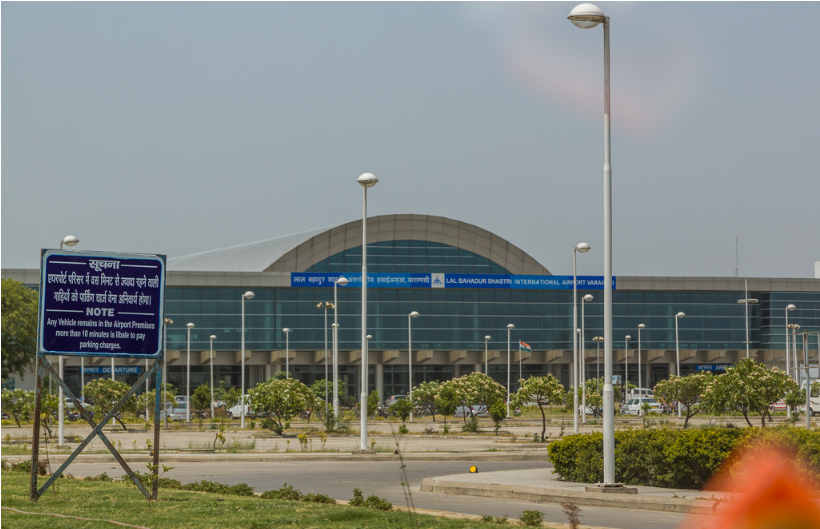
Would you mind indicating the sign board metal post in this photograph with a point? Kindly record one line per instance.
(109, 305)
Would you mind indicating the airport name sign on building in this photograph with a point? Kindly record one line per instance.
(101, 304)
(435, 280)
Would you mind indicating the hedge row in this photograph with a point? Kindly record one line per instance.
(666, 457)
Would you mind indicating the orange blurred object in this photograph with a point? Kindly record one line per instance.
(770, 494)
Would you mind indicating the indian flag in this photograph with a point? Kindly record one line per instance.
(524, 346)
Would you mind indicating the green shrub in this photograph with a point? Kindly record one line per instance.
(287, 492)
(676, 458)
(372, 501)
(318, 498)
(531, 518)
(471, 426)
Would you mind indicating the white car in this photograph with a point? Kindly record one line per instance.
(236, 411)
(634, 406)
(477, 411)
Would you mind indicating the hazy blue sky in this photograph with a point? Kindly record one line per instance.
(176, 128)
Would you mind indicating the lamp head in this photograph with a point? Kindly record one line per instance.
(334, 325)
(627, 337)
(586, 16)
(367, 180)
(190, 325)
(511, 326)
(488, 337)
(414, 314)
(369, 336)
(641, 326)
(285, 330)
(69, 240)
(790, 307)
(248, 295)
(680, 315)
(582, 247)
(168, 321)
(342, 281)
(212, 337)
(588, 298)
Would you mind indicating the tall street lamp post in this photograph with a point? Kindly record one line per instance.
(510, 327)
(583, 248)
(585, 299)
(68, 240)
(597, 340)
(795, 370)
(212, 338)
(626, 365)
(789, 307)
(188, 377)
(287, 351)
(641, 327)
(410, 317)
(486, 366)
(587, 16)
(366, 180)
(326, 305)
(678, 316)
(340, 281)
(745, 302)
(166, 323)
(246, 295)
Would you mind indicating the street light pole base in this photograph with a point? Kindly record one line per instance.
(611, 488)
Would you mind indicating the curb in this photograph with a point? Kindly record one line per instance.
(597, 499)
(280, 457)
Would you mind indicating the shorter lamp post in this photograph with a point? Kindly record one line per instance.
(626, 365)
(598, 340)
(510, 327)
(287, 351)
(678, 316)
(410, 318)
(641, 327)
(247, 295)
(789, 307)
(68, 240)
(795, 370)
(486, 365)
(585, 299)
(188, 377)
(341, 280)
(166, 322)
(212, 338)
(746, 302)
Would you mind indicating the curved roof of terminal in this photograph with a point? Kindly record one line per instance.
(298, 252)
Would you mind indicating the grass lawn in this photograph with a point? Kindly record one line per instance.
(102, 502)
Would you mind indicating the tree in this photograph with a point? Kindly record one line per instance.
(201, 399)
(479, 390)
(424, 396)
(684, 390)
(446, 401)
(279, 401)
(106, 393)
(498, 412)
(19, 327)
(544, 390)
(18, 403)
(401, 409)
(747, 387)
(147, 400)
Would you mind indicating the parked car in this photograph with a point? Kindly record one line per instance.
(640, 393)
(814, 401)
(236, 411)
(780, 405)
(394, 399)
(477, 411)
(634, 406)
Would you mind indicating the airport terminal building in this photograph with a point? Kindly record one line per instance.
(466, 284)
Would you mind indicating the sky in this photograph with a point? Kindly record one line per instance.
(178, 128)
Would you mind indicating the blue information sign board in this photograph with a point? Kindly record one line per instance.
(101, 304)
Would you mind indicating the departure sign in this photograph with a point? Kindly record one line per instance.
(101, 304)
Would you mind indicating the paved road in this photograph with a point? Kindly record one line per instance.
(384, 479)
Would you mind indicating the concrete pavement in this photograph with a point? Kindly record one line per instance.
(536, 485)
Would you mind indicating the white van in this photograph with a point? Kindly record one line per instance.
(643, 393)
(814, 401)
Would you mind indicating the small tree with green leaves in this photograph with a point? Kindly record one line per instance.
(279, 401)
(424, 396)
(19, 327)
(446, 401)
(749, 388)
(401, 409)
(543, 391)
(201, 399)
(19, 404)
(372, 403)
(147, 400)
(232, 397)
(106, 393)
(684, 390)
(477, 390)
(498, 412)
